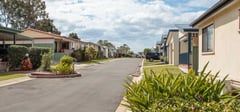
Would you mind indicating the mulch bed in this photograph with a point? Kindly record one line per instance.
(52, 75)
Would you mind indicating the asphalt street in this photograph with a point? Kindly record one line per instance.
(100, 89)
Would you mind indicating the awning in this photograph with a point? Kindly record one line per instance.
(8, 34)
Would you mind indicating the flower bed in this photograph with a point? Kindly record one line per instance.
(52, 75)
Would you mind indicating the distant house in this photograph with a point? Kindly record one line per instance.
(173, 47)
(188, 47)
(219, 38)
(163, 46)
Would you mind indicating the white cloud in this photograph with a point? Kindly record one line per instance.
(138, 24)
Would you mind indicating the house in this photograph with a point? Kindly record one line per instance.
(60, 44)
(188, 47)
(163, 47)
(219, 37)
(9, 36)
(172, 44)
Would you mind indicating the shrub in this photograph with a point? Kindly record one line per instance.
(16, 54)
(179, 92)
(66, 65)
(78, 55)
(90, 53)
(36, 54)
(46, 61)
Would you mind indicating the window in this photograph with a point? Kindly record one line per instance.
(208, 39)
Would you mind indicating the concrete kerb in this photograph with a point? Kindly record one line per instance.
(15, 81)
(122, 108)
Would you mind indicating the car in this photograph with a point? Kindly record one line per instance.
(153, 55)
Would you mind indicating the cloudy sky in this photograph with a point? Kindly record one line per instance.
(137, 23)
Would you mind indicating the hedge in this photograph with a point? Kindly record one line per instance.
(16, 54)
(35, 55)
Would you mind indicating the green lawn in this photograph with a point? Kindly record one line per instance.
(6, 76)
(162, 68)
(148, 63)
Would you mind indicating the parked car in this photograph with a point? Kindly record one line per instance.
(153, 55)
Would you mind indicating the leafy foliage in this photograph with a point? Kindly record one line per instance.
(36, 54)
(73, 35)
(146, 50)
(78, 55)
(46, 25)
(46, 61)
(90, 53)
(177, 92)
(16, 54)
(66, 65)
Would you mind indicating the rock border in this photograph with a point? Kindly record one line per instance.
(52, 75)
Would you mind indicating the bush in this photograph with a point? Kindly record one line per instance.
(46, 61)
(78, 55)
(66, 65)
(16, 54)
(179, 92)
(90, 53)
(35, 55)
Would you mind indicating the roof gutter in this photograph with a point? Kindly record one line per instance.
(212, 10)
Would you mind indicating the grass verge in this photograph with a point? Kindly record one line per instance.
(6, 76)
(148, 63)
(160, 68)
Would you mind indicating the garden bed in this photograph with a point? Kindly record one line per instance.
(52, 75)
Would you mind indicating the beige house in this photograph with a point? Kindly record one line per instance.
(59, 44)
(219, 38)
(173, 47)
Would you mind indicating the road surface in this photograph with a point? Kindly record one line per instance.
(100, 89)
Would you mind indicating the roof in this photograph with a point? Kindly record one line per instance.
(186, 28)
(6, 34)
(219, 5)
(9, 30)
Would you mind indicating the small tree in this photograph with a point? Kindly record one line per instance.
(66, 65)
(46, 61)
(90, 53)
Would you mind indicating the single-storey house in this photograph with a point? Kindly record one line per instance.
(60, 44)
(219, 38)
(173, 47)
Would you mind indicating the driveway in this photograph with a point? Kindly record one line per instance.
(100, 89)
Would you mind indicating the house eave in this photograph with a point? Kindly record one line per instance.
(215, 8)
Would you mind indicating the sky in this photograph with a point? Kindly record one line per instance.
(137, 23)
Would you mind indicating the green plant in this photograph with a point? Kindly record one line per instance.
(46, 61)
(66, 65)
(16, 54)
(36, 54)
(78, 55)
(90, 53)
(179, 92)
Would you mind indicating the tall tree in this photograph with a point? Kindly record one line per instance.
(146, 50)
(46, 25)
(23, 13)
(4, 12)
(73, 35)
(106, 43)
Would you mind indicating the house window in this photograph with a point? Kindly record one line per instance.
(208, 39)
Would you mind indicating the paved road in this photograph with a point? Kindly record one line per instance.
(100, 89)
